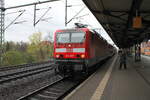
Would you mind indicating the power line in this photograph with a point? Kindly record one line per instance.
(15, 19)
(40, 2)
(20, 22)
(75, 15)
(41, 16)
(13, 12)
(2, 17)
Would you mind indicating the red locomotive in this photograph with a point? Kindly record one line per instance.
(78, 49)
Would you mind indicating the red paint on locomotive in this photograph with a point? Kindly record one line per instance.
(71, 50)
(91, 50)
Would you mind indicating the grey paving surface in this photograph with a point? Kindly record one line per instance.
(85, 92)
(144, 68)
(130, 84)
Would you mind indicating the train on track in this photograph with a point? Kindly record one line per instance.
(145, 48)
(78, 49)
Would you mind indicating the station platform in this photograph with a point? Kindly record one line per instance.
(110, 83)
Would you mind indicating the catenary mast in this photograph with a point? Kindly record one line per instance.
(2, 14)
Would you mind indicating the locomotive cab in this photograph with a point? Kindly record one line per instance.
(70, 50)
(79, 49)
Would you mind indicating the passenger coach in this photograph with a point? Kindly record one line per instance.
(78, 49)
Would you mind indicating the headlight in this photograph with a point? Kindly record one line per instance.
(57, 56)
(82, 56)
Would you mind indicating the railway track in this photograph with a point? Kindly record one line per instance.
(9, 76)
(54, 91)
(6, 68)
(15, 76)
(41, 89)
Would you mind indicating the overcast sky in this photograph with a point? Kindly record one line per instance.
(21, 32)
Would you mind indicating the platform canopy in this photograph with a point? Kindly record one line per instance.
(126, 21)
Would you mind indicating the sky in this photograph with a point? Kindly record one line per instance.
(56, 19)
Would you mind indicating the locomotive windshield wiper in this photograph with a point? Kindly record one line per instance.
(83, 38)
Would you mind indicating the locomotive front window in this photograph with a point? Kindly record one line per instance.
(70, 37)
(77, 37)
(63, 38)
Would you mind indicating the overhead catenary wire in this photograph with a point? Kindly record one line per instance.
(23, 21)
(2, 33)
(46, 19)
(72, 6)
(14, 12)
(41, 2)
(20, 22)
(42, 16)
(81, 16)
(66, 10)
(14, 20)
(76, 15)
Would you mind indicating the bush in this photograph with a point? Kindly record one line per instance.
(14, 58)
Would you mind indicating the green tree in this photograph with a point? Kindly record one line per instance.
(14, 58)
(49, 48)
(37, 47)
(35, 38)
